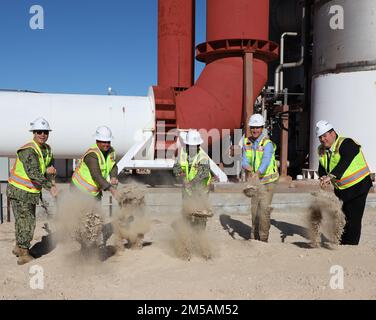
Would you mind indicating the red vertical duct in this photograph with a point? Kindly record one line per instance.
(176, 43)
(216, 100)
(237, 19)
(176, 25)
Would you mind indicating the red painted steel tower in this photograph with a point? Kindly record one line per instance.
(236, 54)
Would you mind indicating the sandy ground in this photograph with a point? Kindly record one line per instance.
(284, 268)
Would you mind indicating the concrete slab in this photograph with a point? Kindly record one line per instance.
(227, 199)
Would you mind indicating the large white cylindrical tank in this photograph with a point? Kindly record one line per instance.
(74, 119)
(344, 68)
(348, 102)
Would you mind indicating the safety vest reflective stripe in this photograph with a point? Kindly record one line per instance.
(270, 177)
(254, 158)
(82, 177)
(18, 176)
(24, 182)
(84, 183)
(355, 172)
(192, 172)
(356, 175)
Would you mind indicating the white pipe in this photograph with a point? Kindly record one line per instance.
(128, 161)
(278, 79)
(73, 119)
(286, 66)
(282, 55)
(222, 177)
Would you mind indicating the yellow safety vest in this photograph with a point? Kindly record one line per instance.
(356, 172)
(82, 178)
(191, 173)
(255, 158)
(18, 176)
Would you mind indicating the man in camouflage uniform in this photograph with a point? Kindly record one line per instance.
(193, 166)
(27, 178)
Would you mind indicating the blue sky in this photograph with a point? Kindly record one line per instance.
(86, 46)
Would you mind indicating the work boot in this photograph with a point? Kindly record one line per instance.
(16, 250)
(24, 256)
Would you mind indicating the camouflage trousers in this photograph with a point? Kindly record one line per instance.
(261, 210)
(24, 215)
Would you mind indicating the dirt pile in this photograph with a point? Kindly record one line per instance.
(79, 218)
(325, 216)
(89, 229)
(130, 222)
(253, 188)
(191, 239)
(190, 234)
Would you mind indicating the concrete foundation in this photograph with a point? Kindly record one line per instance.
(225, 199)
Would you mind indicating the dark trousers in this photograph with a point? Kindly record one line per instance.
(353, 211)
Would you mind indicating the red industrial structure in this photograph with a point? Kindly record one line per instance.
(176, 40)
(236, 54)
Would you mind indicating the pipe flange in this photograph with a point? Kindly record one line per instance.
(212, 50)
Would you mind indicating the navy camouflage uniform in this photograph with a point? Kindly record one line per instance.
(24, 203)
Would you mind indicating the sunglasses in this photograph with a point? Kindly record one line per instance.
(104, 142)
(46, 132)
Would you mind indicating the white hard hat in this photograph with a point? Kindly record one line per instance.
(256, 120)
(103, 133)
(193, 138)
(40, 124)
(322, 127)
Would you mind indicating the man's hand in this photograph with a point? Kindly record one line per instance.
(324, 181)
(256, 175)
(51, 170)
(54, 191)
(114, 181)
(251, 176)
(181, 174)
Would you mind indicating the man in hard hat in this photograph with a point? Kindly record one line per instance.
(342, 163)
(27, 178)
(97, 170)
(192, 165)
(259, 163)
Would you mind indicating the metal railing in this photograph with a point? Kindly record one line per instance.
(2, 208)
